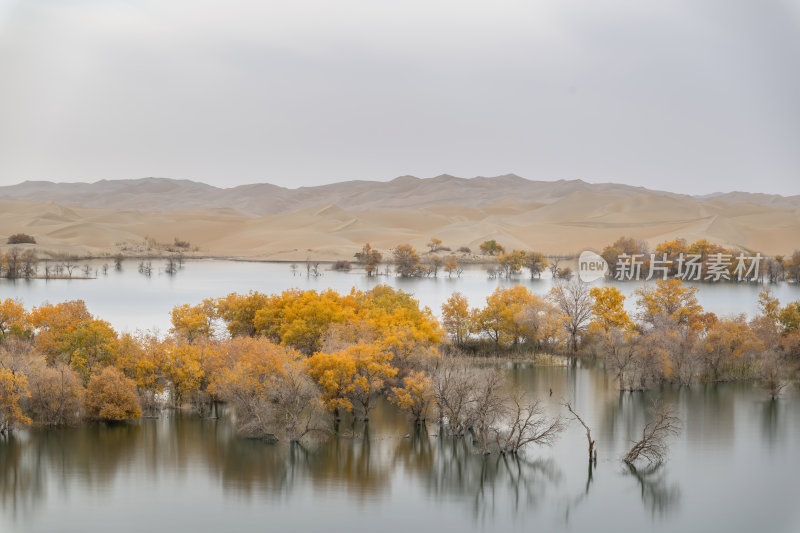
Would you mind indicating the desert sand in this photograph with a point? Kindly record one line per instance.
(265, 222)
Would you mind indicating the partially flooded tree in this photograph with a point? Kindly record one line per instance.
(526, 423)
(406, 261)
(453, 384)
(486, 405)
(451, 266)
(370, 258)
(56, 395)
(536, 263)
(13, 389)
(653, 446)
(415, 396)
(112, 396)
(771, 374)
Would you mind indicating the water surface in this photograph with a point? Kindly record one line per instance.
(130, 300)
(733, 469)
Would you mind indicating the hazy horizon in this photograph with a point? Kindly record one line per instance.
(685, 96)
(387, 180)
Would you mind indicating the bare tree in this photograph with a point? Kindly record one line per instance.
(312, 269)
(575, 303)
(771, 373)
(486, 406)
(592, 449)
(620, 351)
(527, 424)
(453, 384)
(172, 266)
(146, 268)
(653, 446)
(69, 264)
(29, 264)
(553, 266)
(296, 405)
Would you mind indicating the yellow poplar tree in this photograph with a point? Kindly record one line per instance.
(13, 388)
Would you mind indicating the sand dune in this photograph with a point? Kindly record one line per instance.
(333, 221)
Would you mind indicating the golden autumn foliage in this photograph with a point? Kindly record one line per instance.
(142, 359)
(288, 357)
(111, 396)
(608, 310)
(13, 318)
(184, 367)
(729, 341)
(91, 346)
(406, 261)
(55, 324)
(238, 311)
(669, 297)
(415, 396)
(269, 388)
(370, 258)
(13, 389)
(502, 317)
(351, 376)
(191, 323)
(456, 317)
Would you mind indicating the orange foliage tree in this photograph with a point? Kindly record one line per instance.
(111, 396)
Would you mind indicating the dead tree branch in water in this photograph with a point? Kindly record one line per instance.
(528, 424)
(592, 449)
(653, 446)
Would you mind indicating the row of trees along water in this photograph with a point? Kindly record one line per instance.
(408, 262)
(502, 263)
(25, 263)
(669, 339)
(292, 364)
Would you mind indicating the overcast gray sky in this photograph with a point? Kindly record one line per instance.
(692, 96)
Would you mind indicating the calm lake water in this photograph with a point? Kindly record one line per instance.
(733, 468)
(130, 300)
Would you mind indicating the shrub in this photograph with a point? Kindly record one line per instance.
(56, 395)
(21, 238)
(465, 250)
(182, 244)
(112, 396)
(342, 265)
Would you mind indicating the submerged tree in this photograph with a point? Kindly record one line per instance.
(415, 396)
(654, 444)
(592, 449)
(526, 423)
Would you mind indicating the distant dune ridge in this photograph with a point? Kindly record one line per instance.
(264, 221)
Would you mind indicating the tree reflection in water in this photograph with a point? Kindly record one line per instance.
(453, 467)
(659, 496)
(96, 455)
